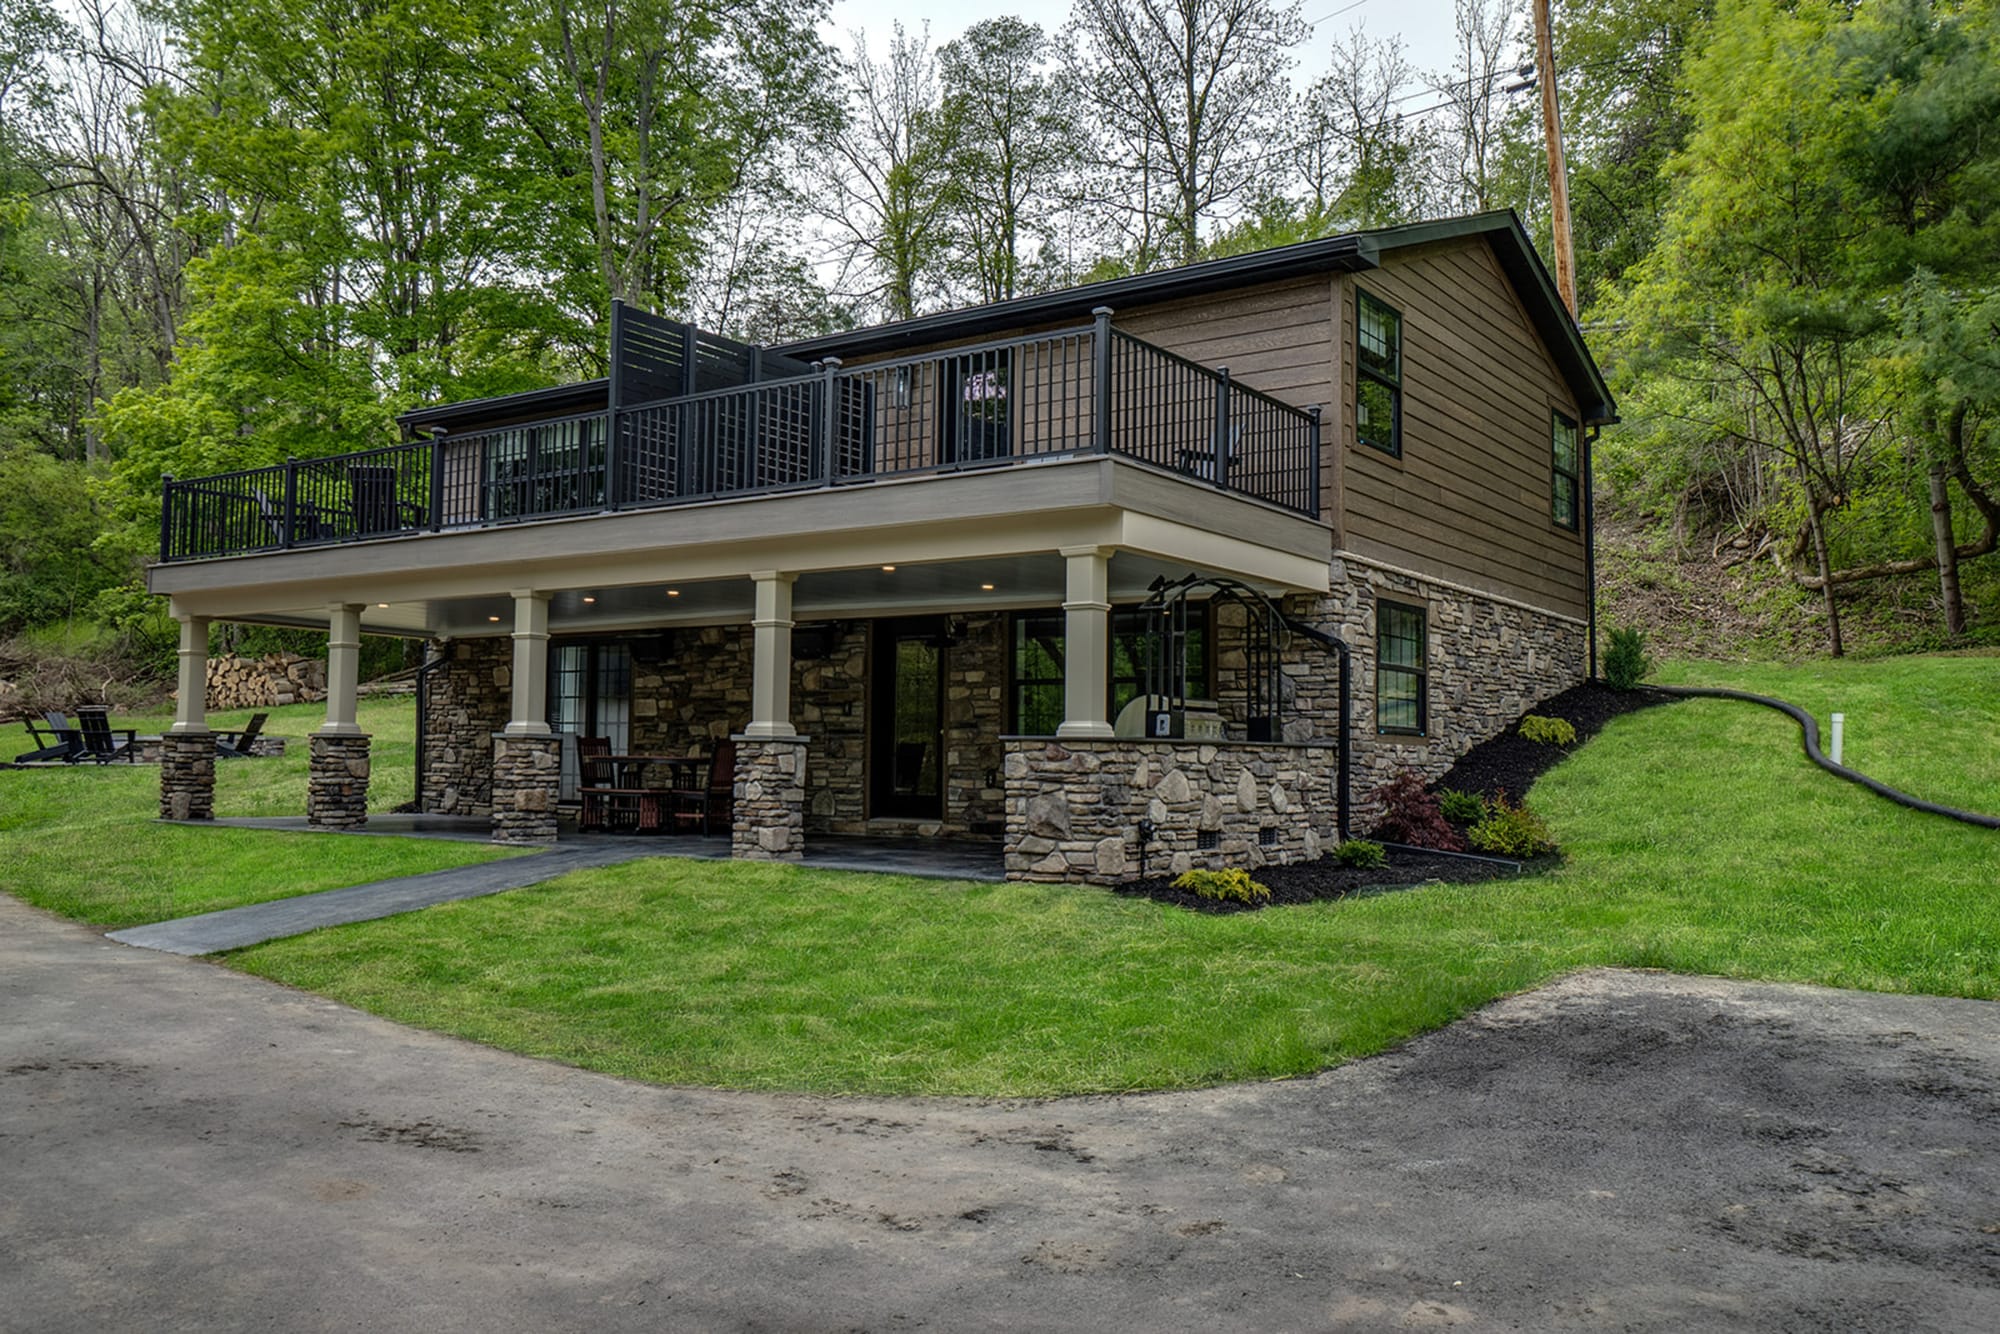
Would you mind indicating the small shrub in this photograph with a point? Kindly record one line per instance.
(1224, 886)
(1510, 830)
(1461, 807)
(1410, 815)
(1547, 731)
(1625, 662)
(1361, 854)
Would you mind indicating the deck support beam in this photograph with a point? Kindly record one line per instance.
(191, 699)
(771, 668)
(1086, 642)
(343, 669)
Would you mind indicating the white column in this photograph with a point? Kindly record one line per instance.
(771, 670)
(1086, 642)
(531, 664)
(343, 668)
(191, 701)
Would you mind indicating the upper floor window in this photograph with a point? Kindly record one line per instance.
(1564, 492)
(1378, 389)
(1402, 694)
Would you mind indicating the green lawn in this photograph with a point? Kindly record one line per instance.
(1700, 840)
(1927, 725)
(84, 841)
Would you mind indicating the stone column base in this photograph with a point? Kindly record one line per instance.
(337, 782)
(769, 822)
(527, 773)
(187, 776)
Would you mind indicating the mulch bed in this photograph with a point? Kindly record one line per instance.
(1509, 763)
(1506, 763)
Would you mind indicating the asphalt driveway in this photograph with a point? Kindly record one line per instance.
(184, 1147)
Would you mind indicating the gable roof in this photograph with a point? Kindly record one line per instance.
(1350, 253)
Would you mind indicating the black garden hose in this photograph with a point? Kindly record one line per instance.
(1810, 726)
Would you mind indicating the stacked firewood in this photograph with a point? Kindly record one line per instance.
(262, 683)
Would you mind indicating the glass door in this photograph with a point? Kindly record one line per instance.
(590, 694)
(907, 716)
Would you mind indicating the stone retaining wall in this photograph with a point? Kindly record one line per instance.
(337, 781)
(526, 778)
(1074, 806)
(769, 819)
(187, 776)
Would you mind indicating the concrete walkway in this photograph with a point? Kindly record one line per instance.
(252, 924)
(188, 1148)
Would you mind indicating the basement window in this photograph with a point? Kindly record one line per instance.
(1401, 683)
(1378, 388)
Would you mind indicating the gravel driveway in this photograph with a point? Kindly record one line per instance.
(184, 1147)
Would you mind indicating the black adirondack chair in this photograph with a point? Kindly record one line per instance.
(54, 739)
(101, 741)
(237, 744)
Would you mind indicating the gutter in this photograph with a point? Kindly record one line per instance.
(1590, 542)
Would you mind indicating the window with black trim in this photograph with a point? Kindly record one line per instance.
(1378, 388)
(1401, 683)
(1564, 490)
(1038, 664)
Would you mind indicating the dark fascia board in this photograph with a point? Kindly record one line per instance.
(580, 397)
(1354, 251)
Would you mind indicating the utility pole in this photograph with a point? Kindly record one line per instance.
(1545, 71)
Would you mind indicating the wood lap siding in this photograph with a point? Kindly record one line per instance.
(1470, 498)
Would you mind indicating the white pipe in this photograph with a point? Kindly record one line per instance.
(1839, 727)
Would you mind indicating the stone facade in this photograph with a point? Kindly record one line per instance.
(691, 687)
(1490, 660)
(769, 820)
(337, 782)
(526, 775)
(187, 776)
(469, 699)
(1074, 806)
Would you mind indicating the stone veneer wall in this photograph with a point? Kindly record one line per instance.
(470, 699)
(1074, 806)
(526, 775)
(337, 782)
(692, 687)
(187, 776)
(1490, 661)
(769, 819)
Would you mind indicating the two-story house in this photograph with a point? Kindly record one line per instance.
(1063, 572)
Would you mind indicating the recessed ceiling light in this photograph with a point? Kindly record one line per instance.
(673, 592)
(888, 569)
(494, 619)
(590, 599)
(383, 605)
(987, 587)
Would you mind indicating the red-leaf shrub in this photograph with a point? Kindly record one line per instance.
(1410, 815)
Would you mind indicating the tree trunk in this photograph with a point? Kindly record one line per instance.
(1818, 531)
(1947, 550)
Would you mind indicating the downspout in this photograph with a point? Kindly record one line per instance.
(1590, 542)
(1343, 774)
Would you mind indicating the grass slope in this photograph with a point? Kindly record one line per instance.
(1700, 838)
(83, 840)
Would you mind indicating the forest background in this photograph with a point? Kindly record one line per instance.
(233, 231)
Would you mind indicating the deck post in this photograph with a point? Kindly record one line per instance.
(1100, 359)
(829, 419)
(343, 668)
(1222, 426)
(771, 668)
(530, 682)
(1086, 642)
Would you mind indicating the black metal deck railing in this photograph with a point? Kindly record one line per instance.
(982, 406)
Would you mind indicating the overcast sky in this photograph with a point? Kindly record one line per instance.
(1425, 25)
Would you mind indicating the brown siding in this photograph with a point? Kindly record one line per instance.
(1469, 500)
